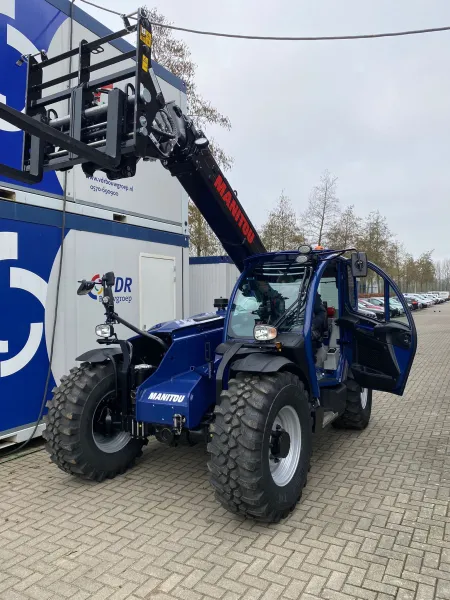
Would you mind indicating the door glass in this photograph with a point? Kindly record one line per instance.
(396, 310)
(329, 292)
(371, 296)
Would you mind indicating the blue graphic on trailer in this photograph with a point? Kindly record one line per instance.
(26, 26)
(27, 254)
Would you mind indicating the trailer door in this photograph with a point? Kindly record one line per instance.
(157, 289)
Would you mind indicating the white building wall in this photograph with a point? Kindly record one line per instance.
(153, 211)
(210, 278)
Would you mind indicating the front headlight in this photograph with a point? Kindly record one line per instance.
(104, 330)
(264, 333)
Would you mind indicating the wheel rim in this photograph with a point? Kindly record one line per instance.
(283, 471)
(364, 397)
(117, 439)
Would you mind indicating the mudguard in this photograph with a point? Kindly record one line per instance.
(98, 355)
(262, 363)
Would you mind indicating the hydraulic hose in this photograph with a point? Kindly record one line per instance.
(155, 338)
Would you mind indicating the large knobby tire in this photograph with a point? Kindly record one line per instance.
(246, 480)
(358, 408)
(71, 440)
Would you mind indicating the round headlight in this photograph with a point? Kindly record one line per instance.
(301, 259)
(264, 333)
(305, 249)
(104, 331)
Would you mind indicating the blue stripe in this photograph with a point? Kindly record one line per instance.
(100, 30)
(209, 260)
(47, 216)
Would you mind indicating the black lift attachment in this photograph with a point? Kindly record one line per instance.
(135, 123)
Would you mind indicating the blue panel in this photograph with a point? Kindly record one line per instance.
(38, 21)
(209, 260)
(21, 391)
(188, 394)
(100, 30)
(46, 216)
(182, 372)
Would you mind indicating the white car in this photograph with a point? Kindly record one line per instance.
(424, 302)
(363, 310)
(439, 299)
(444, 295)
(433, 298)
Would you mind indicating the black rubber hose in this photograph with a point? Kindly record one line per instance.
(163, 344)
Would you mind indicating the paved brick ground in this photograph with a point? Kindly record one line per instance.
(374, 522)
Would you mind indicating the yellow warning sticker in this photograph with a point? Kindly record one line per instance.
(145, 63)
(146, 37)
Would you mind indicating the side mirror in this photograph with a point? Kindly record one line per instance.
(359, 264)
(85, 287)
(109, 279)
(221, 303)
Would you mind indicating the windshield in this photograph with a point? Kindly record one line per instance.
(271, 293)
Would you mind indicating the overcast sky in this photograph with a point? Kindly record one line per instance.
(375, 113)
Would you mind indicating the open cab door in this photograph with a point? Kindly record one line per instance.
(380, 349)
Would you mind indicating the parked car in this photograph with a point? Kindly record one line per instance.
(438, 299)
(430, 301)
(412, 303)
(377, 310)
(395, 303)
(444, 295)
(423, 302)
(433, 299)
(393, 310)
(362, 309)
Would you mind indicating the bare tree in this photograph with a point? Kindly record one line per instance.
(345, 231)
(446, 273)
(202, 240)
(175, 56)
(425, 271)
(322, 211)
(281, 231)
(396, 263)
(376, 239)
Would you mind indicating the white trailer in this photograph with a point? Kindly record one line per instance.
(210, 277)
(136, 228)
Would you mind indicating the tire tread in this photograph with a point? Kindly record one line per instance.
(235, 462)
(62, 431)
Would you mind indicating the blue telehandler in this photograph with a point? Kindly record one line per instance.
(286, 355)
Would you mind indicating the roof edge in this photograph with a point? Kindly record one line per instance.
(86, 20)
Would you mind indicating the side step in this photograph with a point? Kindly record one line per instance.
(18, 436)
(328, 418)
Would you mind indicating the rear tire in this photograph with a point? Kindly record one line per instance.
(358, 409)
(73, 440)
(246, 480)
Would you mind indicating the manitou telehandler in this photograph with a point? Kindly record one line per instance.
(287, 355)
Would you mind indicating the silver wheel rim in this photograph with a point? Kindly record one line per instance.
(109, 443)
(112, 444)
(283, 471)
(364, 397)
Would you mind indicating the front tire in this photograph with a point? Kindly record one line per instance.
(252, 417)
(358, 408)
(75, 438)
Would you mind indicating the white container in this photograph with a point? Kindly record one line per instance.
(210, 277)
(138, 231)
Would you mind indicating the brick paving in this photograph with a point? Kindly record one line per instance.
(374, 522)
